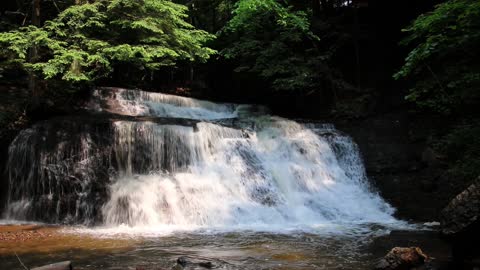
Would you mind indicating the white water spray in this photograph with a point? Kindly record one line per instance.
(282, 174)
(262, 172)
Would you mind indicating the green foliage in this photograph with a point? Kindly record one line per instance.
(445, 62)
(271, 39)
(461, 147)
(211, 15)
(86, 42)
(246, 12)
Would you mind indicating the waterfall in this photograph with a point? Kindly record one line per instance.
(250, 170)
(136, 103)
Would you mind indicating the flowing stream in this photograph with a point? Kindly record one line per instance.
(227, 182)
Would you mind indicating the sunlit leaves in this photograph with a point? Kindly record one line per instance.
(86, 41)
(445, 60)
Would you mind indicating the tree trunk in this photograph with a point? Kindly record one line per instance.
(192, 73)
(317, 8)
(32, 82)
(356, 45)
(327, 7)
(214, 19)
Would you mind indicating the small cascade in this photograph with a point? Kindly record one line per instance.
(57, 172)
(140, 103)
(256, 171)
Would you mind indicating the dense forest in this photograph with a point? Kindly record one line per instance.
(316, 59)
(402, 77)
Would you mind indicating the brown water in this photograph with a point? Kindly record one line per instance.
(40, 245)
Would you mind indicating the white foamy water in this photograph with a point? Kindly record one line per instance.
(140, 103)
(264, 174)
(281, 175)
(18, 222)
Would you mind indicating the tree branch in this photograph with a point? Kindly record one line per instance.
(18, 258)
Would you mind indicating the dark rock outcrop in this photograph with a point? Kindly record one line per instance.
(461, 225)
(402, 164)
(402, 258)
(463, 211)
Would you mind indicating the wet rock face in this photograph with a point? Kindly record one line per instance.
(460, 222)
(51, 168)
(463, 211)
(400, 161)
(401, 258)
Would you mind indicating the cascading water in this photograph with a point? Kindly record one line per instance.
(248, 171)
(136, 103)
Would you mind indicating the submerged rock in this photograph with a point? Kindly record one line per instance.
(67, 265)
(402, 258)
(184, 261)
(206, 264)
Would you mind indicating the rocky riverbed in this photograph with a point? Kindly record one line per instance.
(45, 239)
(38, 245)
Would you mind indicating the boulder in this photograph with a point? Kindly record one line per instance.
(463, 211)
(206, 264)
(402, 258)
(461, 224)
(185, 262)
(67, 265)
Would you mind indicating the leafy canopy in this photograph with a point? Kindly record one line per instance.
(445, 61)
(270, 38)
(85, 42)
